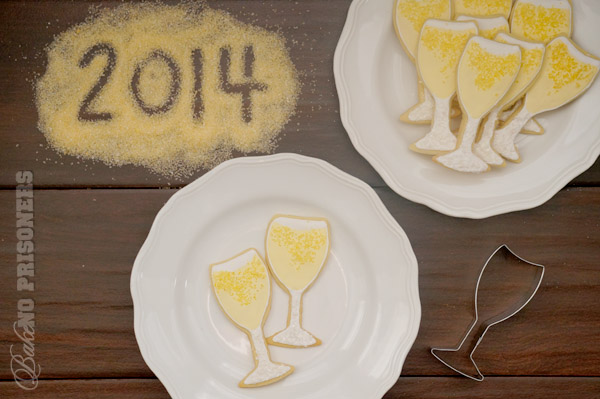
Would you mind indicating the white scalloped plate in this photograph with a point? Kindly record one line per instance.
(364, 306)
(376, 82)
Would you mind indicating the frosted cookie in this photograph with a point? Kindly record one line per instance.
(486, 71)
(243, 290)
(488, 27)
(532, 55)
(482, 8)
(531, 127)
(409, 17)
(541, 20)
(440, 45)
(567, 72)
(297, 249)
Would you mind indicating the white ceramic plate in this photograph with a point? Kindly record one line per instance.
(364, 306)
(376, 83)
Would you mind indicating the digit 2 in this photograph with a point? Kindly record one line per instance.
(85, 114)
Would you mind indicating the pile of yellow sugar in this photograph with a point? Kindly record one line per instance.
(202, 125)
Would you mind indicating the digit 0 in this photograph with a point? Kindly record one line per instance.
(173, 91)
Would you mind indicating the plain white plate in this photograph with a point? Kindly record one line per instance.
(376, 82)
(364, 306)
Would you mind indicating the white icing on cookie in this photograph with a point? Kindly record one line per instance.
(294, 334)
(300, 223)
(483, 148)
(463, 159)
(440, 137)
(265, 370)
(488, 27)
(422, 112)
(531, 127)
(503, 141)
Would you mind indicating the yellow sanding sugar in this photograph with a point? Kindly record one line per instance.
(302, 245)
(539, 23)
(491, 68)
(244, 283)
(566, 69)
(446, 44)
(482, 7)
(183, 87)
(418, 11)
(491, 33)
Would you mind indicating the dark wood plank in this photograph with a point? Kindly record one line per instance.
(406, 387)
(86, 242)
(312, 28)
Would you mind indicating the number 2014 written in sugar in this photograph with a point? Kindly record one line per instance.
(243, 89)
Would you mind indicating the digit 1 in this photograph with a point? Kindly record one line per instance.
(245, 89)
(175, 83)
(85, 114)
(197, 64)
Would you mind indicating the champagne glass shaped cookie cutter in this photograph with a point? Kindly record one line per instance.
(296, 250)
(506, 284)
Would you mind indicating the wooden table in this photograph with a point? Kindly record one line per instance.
(90, 221)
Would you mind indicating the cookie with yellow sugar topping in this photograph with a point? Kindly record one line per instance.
(243, 290)
(482, 8)
(486, 71)
(440, 45)
(541, 20)
(296, 249)
(489, 27)
(409, 17)
(567, 72)
(532, 55)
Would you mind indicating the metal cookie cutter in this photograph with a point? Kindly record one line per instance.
(505, 285)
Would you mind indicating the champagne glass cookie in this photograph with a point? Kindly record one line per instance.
(297, 249)
(532, 55)
(567, 71)
(482, 8)
(489, 27)
(409, 17)
(486, 71)
(440, 45)
(243, 290)
(541, 20)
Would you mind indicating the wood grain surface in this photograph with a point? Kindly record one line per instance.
(407, 388)
(90, 221)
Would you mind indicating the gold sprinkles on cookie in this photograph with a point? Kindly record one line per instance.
(480, 60)
(567, 69)
(541, 21)
(242, 284)
(446, 45)
(302, 245)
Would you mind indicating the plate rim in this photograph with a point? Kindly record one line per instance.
(573, 170)
(401, 349)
